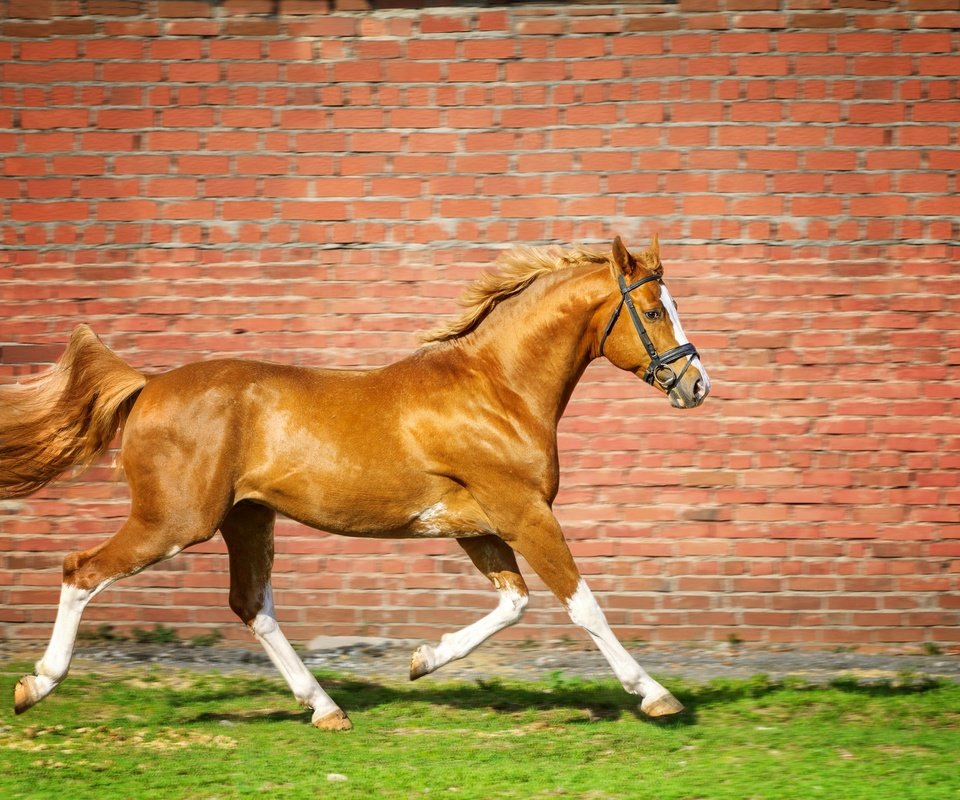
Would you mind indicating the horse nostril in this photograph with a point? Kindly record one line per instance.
(699, 390)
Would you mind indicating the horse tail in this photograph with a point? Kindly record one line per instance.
(65, 417)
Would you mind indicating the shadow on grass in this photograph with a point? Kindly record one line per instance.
(598, 701)
(602, 700)
(723, 692)
(587, 700)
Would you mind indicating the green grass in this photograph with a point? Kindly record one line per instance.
(161, 733)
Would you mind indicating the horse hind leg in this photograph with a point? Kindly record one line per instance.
(497, 561)
(85, 574)
(248, 532)
(52, 668)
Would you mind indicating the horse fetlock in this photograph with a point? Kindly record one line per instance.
(30, 690)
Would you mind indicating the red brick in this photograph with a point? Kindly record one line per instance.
(865, 42)
(314, 210)
(107, 187)
(125, 118)
(126, 210)
(876, 113)
(883, 65)
(935, 135)
(473, 72)
(194, 72)
(819, 65)
(48, 212)
(375, 142)
(412, 71)
(54, 118)
(478, 49)
(246, 209)
(939, 65)
(133, 72)
(523, 71)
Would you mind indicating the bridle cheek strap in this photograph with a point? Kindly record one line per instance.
(658, 372)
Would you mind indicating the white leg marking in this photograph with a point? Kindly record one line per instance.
(671, 307)
(50, 670)
(56, 660)
(456, 645)
(300, 680)
(586, 613)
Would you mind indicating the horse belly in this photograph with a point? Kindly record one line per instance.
(322, 497)
(398, 506)
(387, 519)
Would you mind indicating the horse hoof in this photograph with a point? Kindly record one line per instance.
(336, 720)
(26, 694)
(662, 706)
(420, 662)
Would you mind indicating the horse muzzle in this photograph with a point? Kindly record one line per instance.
(692, 388)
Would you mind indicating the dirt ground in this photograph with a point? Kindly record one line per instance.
(389, 659)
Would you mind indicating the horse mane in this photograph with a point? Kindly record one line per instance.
(517, 269)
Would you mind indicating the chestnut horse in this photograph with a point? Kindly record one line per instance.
(459, 440)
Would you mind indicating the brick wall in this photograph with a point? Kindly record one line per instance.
(314, 182)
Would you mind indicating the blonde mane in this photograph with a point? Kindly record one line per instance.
(517, 269)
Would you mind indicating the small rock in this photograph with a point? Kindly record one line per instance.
(336, 777)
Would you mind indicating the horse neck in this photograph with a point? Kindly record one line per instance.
(540, 341)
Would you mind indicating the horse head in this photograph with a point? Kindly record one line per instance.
(652, 344)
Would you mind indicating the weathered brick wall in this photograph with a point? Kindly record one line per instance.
(314, 182)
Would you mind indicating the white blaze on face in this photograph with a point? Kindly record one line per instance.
(671, 308)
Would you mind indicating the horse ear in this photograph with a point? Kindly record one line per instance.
(622, 259)
(651, 256)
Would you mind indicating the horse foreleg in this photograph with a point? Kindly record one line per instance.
(248, 532)
(544, 547)
(498, 562)
(585, 612)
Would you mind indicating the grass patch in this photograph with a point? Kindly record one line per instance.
(161, 733)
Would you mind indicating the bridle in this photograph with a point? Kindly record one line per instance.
(659, 372)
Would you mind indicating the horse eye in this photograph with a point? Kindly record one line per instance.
(653, 314)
